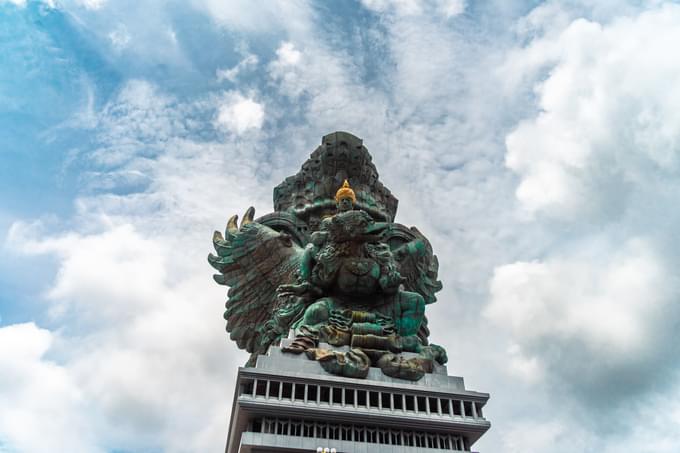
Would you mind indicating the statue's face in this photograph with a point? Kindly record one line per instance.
(345, 204)
(354, 225)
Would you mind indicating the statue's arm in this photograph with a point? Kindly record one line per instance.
(308, 261)
(390, 278)
(390, 281)
(305, 284)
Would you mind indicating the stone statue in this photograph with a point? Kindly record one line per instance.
(331, 264)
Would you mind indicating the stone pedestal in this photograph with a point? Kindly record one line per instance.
(288, 403)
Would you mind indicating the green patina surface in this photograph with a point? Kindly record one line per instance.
(339, 271)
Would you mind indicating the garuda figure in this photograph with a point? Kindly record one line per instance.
(331, 265)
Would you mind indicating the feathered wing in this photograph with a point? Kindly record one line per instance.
(253, 261)
(416, 260)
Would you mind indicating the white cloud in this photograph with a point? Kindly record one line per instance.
(119, 263)
(231, 74)
(288, 55)
(92, 4)
(608, 305)
(404, 7)
(258, 17)
(445, 8)
(141, 336)
(138, 116)
(450, 8)
(120, 37)
(606, 127)
(538, 436)
(39, 396)
(538, 299)
(286, 71)
(238, 114)
(589, 317)
(141, 327)
(600, 157)
(20, 3)
(527, 367)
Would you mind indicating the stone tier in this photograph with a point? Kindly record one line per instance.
(288, 403)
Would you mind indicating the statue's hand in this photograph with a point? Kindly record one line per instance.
(292, 290)
(304, 289)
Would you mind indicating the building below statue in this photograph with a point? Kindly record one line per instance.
(290, 404)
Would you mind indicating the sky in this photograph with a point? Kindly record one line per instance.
(536, 144)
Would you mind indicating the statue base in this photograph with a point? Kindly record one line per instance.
(288, 403)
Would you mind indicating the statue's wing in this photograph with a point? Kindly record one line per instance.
(417, 263)
(253, 261)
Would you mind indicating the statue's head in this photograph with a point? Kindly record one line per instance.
(354, 225)
(345, 198)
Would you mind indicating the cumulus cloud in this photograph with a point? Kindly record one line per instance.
(141, 333)
(288, 55)
(614, 307)
(38, 395)
(291, 78)
(130, 358)
(590, 318)
(238, 114)
(119, 263)
(605, 127)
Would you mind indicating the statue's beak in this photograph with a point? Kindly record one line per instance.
(377, 228)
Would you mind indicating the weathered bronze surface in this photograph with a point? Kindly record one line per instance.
(331, 264)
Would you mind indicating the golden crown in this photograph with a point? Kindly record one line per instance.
(345, 192)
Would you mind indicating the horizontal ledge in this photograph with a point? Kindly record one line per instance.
(351, 416)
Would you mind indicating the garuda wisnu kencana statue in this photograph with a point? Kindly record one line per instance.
(331, 264)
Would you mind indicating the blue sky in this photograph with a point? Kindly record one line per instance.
(534, 143)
